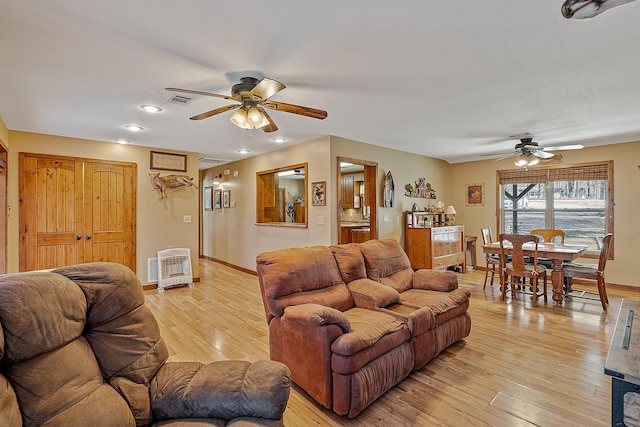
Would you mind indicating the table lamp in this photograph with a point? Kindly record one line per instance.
(449, 215)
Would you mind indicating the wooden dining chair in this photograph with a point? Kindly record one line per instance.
(590, 272)
(514, 274)
(548, 234)
(493, 261)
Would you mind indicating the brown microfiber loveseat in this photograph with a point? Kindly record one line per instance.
(78, 347)
(351, 321)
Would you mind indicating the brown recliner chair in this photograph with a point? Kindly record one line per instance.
(78, 347)
(343, 355)
(387, 263)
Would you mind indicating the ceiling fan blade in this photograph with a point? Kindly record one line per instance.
(502, 153)
(564, 147)
(265, 89)
(214, 112)
(296, 109)
(197, 92)
(506, 156)
(271, 127)
(542, 154)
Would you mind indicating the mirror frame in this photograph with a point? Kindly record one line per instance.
(263, 178)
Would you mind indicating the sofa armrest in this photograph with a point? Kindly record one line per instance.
(433, 280)
(226, 389)
(316, 315)
(367, 293)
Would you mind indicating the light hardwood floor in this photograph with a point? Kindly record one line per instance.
(520, 366)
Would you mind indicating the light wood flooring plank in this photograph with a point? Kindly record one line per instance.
(520, 366)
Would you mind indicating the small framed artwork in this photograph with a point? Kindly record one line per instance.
(226, 198)
(475, 195)
(319, 193)
(168, 161)
(217, 199)
(207, 198)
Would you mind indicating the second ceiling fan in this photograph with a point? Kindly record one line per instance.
(530, 152)
(253, 100)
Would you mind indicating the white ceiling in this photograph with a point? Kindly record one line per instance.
(449, 79)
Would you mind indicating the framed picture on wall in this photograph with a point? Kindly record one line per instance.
(168, 161)
(207, 198)
(217, 199)
(475, 194)
(226, 198)
(319, 193)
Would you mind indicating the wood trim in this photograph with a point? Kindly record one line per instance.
(235, 267)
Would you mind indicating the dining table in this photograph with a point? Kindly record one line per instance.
(556, 252)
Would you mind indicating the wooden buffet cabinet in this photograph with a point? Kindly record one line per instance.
(433, 247)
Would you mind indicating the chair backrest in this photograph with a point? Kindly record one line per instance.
(517, 257)
(604, 251)
(297, 276)
(486, 236)
(548, 234)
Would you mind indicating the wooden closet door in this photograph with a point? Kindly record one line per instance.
(109, 212)
(51, 223)
(76, 210)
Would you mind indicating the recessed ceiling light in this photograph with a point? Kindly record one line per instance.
(243, 151)
(151, 108)
(279, 140)
(134, 128)
(122, 141)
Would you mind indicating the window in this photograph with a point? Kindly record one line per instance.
(577, 199)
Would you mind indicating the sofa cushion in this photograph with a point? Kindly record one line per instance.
(39, 312)
(301, 275)
(369, 294)
(383, 260)
(122, 331)
(445, 305)
(367, 328)
(372, 334)
(350, 262)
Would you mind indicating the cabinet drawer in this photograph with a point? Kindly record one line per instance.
(448, 260)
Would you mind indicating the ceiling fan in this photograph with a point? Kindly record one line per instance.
(530, 152)
(253, 100)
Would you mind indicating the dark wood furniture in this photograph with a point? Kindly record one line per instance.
(623, 362)
(514, 274)
(557, 253)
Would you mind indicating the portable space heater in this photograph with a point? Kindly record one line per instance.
(174, 268)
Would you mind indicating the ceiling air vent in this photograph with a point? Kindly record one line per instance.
(180, 100)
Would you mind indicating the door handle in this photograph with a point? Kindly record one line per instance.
(88, 237)
(78, 237)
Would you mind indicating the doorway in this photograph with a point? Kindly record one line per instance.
(357, 200)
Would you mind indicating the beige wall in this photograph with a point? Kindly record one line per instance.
(159, 221)
(231, 235)
(405, 168)
(624, 268)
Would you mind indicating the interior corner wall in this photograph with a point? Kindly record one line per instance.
(231, 234)
(159, 221)
(406, 168)
(624, 269)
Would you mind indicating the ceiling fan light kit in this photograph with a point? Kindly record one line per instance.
(253, 97)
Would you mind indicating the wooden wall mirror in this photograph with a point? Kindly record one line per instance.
(281, 196)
